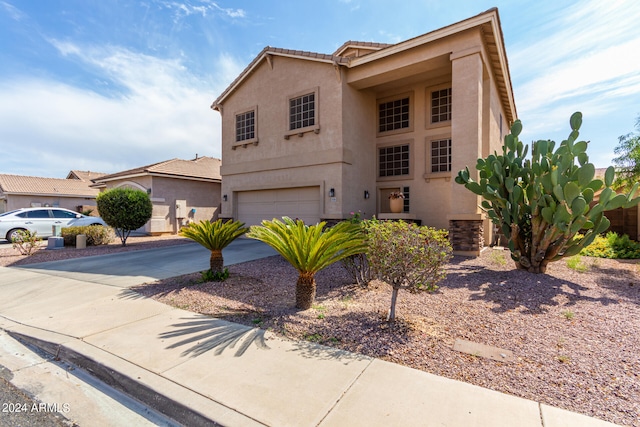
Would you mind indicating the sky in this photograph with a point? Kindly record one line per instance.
(109, 85)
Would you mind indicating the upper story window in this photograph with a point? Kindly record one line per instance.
(441, 155)
(393, 161)
(441, 105)
(246, 126)
(302, 111)
(393, 115)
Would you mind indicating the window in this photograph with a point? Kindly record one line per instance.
(393, 115)
(441, 155)
(39, 213)
(441, 105)
(63, 214)
(302, 111)
(394, 161)
(246, 126)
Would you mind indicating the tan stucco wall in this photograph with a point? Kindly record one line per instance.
(202, 196)
(358, 135)
(276, 162)
(15, 201)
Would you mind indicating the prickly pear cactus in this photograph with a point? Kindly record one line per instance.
(540, 203)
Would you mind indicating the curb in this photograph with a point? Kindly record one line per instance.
(152, 390)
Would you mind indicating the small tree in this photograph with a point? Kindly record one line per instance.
(214, 236)
(309, 249)
(540, 204)
(628, 161)
(26, 242)
(124, 209)
(407, 256)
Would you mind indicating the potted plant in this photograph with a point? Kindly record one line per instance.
(396, 201)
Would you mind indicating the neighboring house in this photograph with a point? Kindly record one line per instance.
(19, 191)
(181, 191)
(318, 136)
(86, 176)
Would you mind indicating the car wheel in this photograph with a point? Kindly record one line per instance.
(12, 234)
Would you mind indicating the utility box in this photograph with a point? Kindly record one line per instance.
(181, 208)
(55, 243)
(56, 230)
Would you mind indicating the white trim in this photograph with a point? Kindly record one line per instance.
(131, 184)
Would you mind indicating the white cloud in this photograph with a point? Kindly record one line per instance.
(585, 59)
(13, 11)
(183, 9)
(160, 111)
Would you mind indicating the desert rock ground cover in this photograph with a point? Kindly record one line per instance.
(574, 332)
(575, 336)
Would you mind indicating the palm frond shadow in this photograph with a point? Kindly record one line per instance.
(215, 334)
(322, 352)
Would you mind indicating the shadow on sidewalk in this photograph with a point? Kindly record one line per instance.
(217, 335)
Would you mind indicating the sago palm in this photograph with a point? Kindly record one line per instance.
(309, 249)
(214, 236)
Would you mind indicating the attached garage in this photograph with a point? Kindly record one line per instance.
(301, 202)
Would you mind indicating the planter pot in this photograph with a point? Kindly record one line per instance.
(396, 205)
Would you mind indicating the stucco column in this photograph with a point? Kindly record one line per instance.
(465, 216)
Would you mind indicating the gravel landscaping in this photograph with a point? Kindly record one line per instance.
(574, 336)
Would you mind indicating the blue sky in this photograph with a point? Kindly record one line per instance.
(114, 84)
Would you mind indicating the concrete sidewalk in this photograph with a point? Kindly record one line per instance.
(198, 370)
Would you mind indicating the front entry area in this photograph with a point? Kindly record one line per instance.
(301, 203)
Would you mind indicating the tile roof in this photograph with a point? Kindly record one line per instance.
(356, 44)
(200, 168)
(20, 184)
(84, 175)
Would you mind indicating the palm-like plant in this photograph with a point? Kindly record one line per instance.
(214, 236)
(309, 248)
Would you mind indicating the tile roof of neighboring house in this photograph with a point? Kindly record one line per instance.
(84, 175)
(20, 184)
(207, 168)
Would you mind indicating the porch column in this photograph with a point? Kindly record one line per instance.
(465, 217)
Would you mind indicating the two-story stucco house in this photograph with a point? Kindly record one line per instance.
(318, 136)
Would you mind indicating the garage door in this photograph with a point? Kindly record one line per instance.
(302, 203)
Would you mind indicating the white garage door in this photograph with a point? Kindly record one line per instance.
(302, 203)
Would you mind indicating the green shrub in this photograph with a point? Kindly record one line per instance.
(613, 246)
(214, 276)
(575, 263)
(407, 256)
(124, 209)
(96, 235)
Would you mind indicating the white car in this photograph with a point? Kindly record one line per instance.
(42, 221)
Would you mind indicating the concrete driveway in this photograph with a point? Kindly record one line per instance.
(132, 268)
